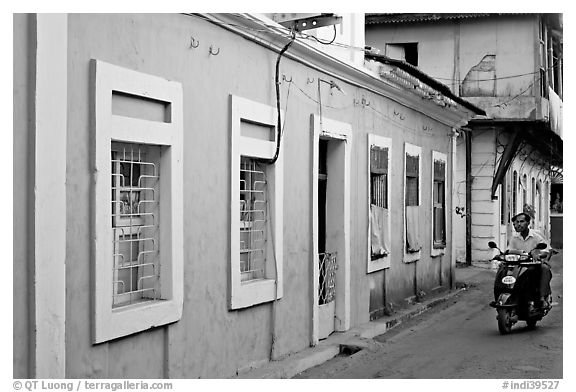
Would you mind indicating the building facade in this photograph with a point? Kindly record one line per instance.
(510, 65)
(196, 199)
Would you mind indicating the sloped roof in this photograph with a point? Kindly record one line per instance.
(422, 17)
(425, 78)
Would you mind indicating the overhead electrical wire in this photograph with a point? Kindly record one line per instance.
(292, 35)
(267, 27)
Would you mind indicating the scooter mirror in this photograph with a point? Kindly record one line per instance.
(493, 245)
(541, 245)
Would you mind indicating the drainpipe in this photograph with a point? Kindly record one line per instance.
(453, 141)
(468, 138)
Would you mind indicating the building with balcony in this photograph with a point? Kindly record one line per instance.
(510, 65)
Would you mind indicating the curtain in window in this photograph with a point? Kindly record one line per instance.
(439, 225)
(412, 226)
(379, 225)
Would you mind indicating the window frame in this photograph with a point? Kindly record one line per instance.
(438, 248)
(254, 292)
(381, 142)
(108, 322)
(412, 150)
(412, 48)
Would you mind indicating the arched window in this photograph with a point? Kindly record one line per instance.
(533, 189)
(539, 199)
(524, 186)
(514, 193)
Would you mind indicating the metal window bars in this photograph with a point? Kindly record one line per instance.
(379, 176)
(379, 190)
(327, 284)
(135, 223)
(253, 206)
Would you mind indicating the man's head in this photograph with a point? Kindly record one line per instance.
(521, 222)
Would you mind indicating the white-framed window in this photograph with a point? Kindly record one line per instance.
(256, 230)
(138, 247)
(438, 203)
(412, 201)
(379, 226)
(524, 186)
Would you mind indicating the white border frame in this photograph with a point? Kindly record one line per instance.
(48, 304)
(412, 150)
(383, 262)
(113, 323)
(251, 293)
(334, 130)
(438, 156)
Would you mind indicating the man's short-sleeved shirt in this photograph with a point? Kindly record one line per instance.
(527, 244)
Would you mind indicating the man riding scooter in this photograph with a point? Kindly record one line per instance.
(526, 239)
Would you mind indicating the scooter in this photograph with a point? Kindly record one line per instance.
(516, 288)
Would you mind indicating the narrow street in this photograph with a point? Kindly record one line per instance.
(460, 340)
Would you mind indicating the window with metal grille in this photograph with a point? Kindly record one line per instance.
(439, 200)
(135, 223)
(379, 247)
(412, 203)
(137, 204)
(379, 176)
(252, 220)
(412, 180)
(256, 209)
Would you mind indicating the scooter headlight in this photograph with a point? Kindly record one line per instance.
(512, 257)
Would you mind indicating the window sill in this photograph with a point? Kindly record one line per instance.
(254, 292)
(130, 319)
(411, 257)
(438, 251)
(379, 264)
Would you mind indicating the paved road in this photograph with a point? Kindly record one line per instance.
(460, 340)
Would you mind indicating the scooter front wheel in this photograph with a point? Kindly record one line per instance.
(504, 321)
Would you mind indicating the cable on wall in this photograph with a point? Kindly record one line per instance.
(277, 84)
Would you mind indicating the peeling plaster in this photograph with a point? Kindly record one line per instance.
(480, 81)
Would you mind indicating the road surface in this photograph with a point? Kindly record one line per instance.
(460, 340)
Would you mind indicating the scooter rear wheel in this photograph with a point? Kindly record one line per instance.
(504, 322)
(531, 323)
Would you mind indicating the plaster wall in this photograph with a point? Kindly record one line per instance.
(531, 165)
(436, 45)
(485, 216)
(210, 340)
(22, 223)
(449, 51)
(486, 212)
(459, 199)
